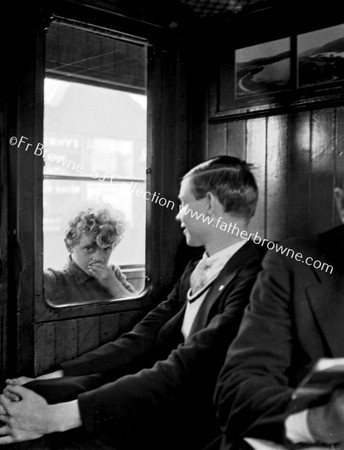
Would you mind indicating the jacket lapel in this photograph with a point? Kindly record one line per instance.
(327, 302)
(326, 294)
(225, 277)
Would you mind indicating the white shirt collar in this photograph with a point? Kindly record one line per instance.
(219, 259)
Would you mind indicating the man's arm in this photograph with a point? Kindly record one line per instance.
(252, 393)
(126, 354)
(130, 352)
(162, 393)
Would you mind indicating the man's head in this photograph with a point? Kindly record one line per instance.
(222, 187)
(92, 235)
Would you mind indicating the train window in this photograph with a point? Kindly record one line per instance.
(94, 162)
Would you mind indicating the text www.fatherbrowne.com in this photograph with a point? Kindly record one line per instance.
(271, 245)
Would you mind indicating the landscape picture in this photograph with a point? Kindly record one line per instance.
(321, 56)
(262, 68)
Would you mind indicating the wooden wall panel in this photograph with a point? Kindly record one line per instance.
(298, 174)
(109, 326)
(45, 343)
(322, 170)
(299, 159)
(66, 340)
(276, 180)
(256, 154)
(339, 156)
(2, 343)
(236, 139)
(88, 333)
(60, 341)
(217, 140)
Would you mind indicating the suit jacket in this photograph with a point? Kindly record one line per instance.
(149, 388)
(295, 317)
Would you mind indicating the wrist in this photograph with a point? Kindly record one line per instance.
(64, 416)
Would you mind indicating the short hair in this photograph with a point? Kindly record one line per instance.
(230, 179)
(106, 229)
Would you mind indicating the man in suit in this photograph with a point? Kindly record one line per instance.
(295, 317)
(152, 388)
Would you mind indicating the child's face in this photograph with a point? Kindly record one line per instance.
(86, 251)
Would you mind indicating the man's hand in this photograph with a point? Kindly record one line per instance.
(326, 423)
(20, 381)
(106, 277)
(13, 382)
(102, 272)
(26, 419)
(23, 380)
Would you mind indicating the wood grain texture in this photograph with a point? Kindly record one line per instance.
(338, 156)
(63, 340)
(256, 154)
(298, 174)
(88, 334)
(217, 140)
(66, 340)
(108, 327)
(299, 159)
(45, 345)
(236, 139)
(276, 180)
(322, 170)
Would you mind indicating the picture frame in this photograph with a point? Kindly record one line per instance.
(279, 74)
(320, 56)
(262, 68)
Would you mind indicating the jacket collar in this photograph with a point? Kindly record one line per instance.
(78, 274)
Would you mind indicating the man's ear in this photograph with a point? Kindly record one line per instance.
(68, 246)
(339, 198)
(213, 204)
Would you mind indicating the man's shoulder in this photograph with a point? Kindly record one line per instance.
(57, 274)
(51, 273)
(324, 247)
(322, 242)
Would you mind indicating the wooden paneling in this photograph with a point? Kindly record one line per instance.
(88, 333)
(236, 139)
(299, 159)
(45, 345)
(60, 341)
(66, 340)
(339, 156)
(298, 174)
(322, 170)
(276, 181)
(227, 138)
(256, 154)
(217, 140)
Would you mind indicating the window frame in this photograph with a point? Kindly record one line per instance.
(47, 310)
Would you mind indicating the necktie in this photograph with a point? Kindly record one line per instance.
(199, 277)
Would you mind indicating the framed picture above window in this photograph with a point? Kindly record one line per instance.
(320, 56)
(262, 69)
(280, 73)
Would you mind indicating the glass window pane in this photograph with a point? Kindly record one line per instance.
(94, 154)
